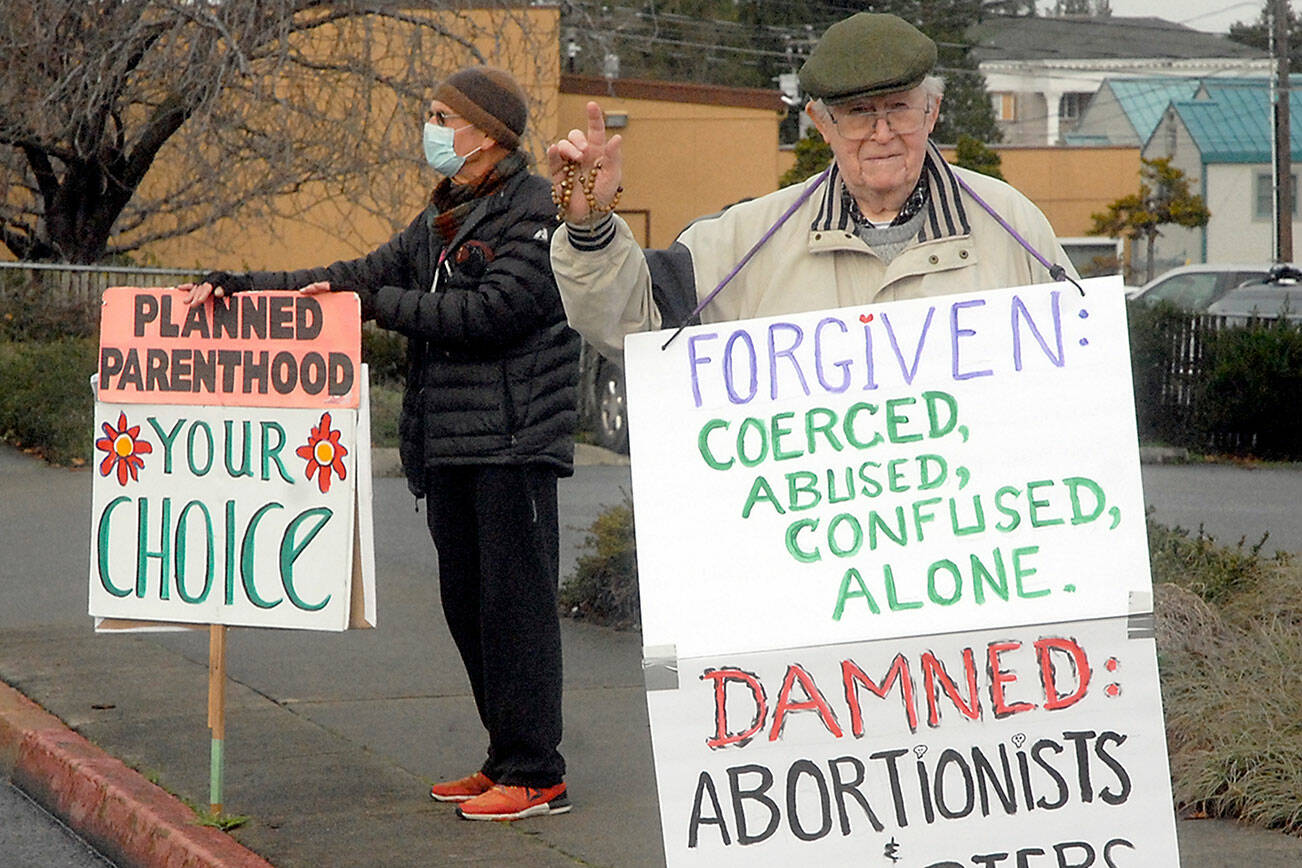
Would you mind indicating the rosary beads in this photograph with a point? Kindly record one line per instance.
(562, 192)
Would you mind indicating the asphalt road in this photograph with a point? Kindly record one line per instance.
(1230, 502)
(30, 836)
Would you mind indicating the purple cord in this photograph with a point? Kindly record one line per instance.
(808, 191)
(1057, 272)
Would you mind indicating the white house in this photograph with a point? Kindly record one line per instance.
(1042, 72)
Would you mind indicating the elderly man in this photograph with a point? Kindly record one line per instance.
(890, 219)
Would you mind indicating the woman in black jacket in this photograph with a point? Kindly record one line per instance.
(487, 420)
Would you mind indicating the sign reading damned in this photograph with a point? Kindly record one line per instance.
(888, 557)
(228, 440)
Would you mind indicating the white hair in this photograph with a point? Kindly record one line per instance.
(932, 87)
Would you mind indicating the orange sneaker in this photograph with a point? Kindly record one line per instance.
(515, 803)
(461, 790)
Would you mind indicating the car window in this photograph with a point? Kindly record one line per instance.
(1189, 291)
(1245, 276)
(1264, 301)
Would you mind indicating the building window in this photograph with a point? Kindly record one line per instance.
(1071, 105)
(1005, 106)
(1264, 188)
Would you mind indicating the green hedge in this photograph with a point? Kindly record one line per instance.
(1209, 387)
(45, 399)
(603, 587)
(1250, 397)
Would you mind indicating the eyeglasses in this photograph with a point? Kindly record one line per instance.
(441, 117)
(860, 123)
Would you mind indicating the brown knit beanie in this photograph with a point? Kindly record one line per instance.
(491, 99)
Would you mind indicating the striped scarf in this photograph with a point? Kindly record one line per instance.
(937, 188)
(455, 201)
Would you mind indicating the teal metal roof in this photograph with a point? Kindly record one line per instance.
(1145, 99)
(1232, 124)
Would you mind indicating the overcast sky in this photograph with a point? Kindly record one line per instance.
(1214, 16)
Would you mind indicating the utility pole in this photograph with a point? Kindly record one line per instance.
(1281, 145)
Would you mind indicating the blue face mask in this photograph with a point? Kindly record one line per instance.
(439, 151)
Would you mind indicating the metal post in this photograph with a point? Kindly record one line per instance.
(1281, 144)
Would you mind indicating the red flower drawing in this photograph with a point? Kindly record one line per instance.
(124, 448)
(323, 454)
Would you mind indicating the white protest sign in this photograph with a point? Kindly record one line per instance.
(229, 442)
(887, 557)
(917, 467)
(219, 524)
(1020, 746)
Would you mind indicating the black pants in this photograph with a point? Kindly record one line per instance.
(497, 535)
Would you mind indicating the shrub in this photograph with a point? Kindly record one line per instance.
(603, 586)
(386, 354)
(1251, 388)
(386, 406)
(1215, 573)
(972, 153)
(812, 156)
(45, 399)
(1229, 390)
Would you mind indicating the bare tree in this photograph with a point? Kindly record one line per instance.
(124, 122)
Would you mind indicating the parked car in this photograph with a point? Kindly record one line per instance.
(601, 400)
(1276, 296)
(1194, 287)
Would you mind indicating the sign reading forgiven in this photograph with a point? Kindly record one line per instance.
(228, 441)
(888, 560)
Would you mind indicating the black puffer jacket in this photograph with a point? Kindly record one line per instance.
(493, 365)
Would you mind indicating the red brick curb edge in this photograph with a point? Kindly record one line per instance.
(125, 817)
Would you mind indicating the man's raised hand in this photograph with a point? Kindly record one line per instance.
(586, 170)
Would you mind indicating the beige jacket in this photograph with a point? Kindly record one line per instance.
(814, 261)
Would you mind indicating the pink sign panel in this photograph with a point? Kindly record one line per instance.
(258, 349)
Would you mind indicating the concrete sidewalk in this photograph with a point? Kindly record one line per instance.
(332, 739)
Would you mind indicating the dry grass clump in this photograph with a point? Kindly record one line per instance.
(1229, 639)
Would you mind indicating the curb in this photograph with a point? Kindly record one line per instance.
(385, 461)
(1163, 455)
(112, 807)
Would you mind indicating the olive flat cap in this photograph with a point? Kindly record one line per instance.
(866, 54)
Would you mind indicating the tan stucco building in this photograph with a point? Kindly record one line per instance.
(689, 150)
